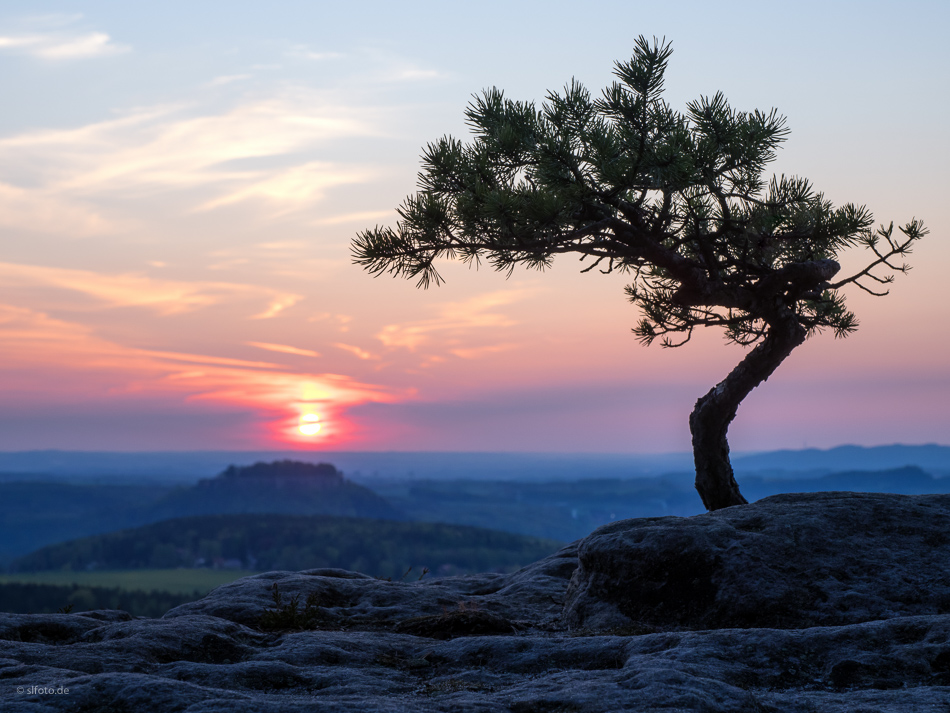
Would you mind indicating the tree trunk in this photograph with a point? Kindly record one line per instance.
(710, 419)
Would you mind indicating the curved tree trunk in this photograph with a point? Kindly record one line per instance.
(710, 419)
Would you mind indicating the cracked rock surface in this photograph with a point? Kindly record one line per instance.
(812, 602)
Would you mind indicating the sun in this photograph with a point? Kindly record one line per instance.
(309, 424)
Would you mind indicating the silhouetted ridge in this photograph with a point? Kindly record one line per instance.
(283, 486)
(321, 474)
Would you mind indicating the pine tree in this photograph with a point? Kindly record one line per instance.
(680, 201)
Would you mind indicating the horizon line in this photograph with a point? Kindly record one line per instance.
(457, 452)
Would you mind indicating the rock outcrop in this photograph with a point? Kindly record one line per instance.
(788, 561)
(823, 602)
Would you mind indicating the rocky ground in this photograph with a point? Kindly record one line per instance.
(815, 602)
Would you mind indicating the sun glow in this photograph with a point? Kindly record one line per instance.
(309, 424)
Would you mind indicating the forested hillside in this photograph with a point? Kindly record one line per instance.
(287, 542)
(36, 514)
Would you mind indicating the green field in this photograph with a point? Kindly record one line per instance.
(178, 581)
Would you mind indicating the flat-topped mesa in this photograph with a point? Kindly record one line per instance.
(284, 486)
(320, 475)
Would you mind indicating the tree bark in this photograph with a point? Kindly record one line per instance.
(710, 419)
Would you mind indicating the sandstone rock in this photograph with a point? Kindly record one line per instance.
(788, 561)
(500, 643)
(356, 601)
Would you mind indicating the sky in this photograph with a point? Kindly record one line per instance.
(180, 183)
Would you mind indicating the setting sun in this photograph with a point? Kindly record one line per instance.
(309, 424)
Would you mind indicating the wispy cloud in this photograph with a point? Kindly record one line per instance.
(277, 305)
(293, 260)
(137, 290)
(360, 217)
(399, 68)
(206, 360)
(356, 351)
(292, 188)
(479, 352)
(40, 210)
(381, 65)
(456, 319)
(340, 321)
(258, 151)
(61, 44)
(284, 349)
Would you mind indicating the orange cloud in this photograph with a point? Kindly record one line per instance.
(205, 359)
(456, 319)
(479, 352)
(51, 356)
(137, 290)
(356, 351)
(283, 348)
(277, 306)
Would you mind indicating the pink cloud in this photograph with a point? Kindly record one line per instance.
(57, 361)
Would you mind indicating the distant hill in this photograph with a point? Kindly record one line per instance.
(570, 510)
(930, 457)
(285, 486)
(286, 542)
(910, 480)
(37, 513)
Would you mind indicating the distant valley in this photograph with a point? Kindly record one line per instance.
(45, 511)
(284, 515)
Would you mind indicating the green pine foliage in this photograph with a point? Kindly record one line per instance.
(288, 614)
(679, 200)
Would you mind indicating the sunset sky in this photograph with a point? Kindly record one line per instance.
(180, 183)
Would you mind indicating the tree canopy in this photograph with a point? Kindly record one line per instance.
(679, 200)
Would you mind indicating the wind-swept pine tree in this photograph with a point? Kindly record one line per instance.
(680, 201)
